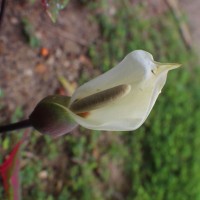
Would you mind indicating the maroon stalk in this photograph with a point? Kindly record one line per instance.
(15, 126)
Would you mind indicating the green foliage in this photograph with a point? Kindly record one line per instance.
(53, 7)
(162, 160)
(18, 114)
(29, 33)
(169, 149)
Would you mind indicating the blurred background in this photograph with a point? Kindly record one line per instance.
(159, 161)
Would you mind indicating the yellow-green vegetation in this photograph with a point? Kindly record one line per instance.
(159, 161)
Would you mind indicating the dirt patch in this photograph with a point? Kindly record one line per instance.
(25, 75)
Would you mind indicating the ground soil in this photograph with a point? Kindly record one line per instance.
(25, 75)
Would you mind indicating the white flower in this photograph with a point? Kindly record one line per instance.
(119, 100)
(122, 98)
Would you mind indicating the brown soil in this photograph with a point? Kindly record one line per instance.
(25, 75)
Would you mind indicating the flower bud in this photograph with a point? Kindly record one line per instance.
(51, 116)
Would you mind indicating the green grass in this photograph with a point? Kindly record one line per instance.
(159, 161)
(162, 159)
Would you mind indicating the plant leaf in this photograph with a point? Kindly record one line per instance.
(9, 171)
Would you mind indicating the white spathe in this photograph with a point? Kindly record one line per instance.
(144, 79)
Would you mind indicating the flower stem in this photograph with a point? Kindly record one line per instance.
(15, 126)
